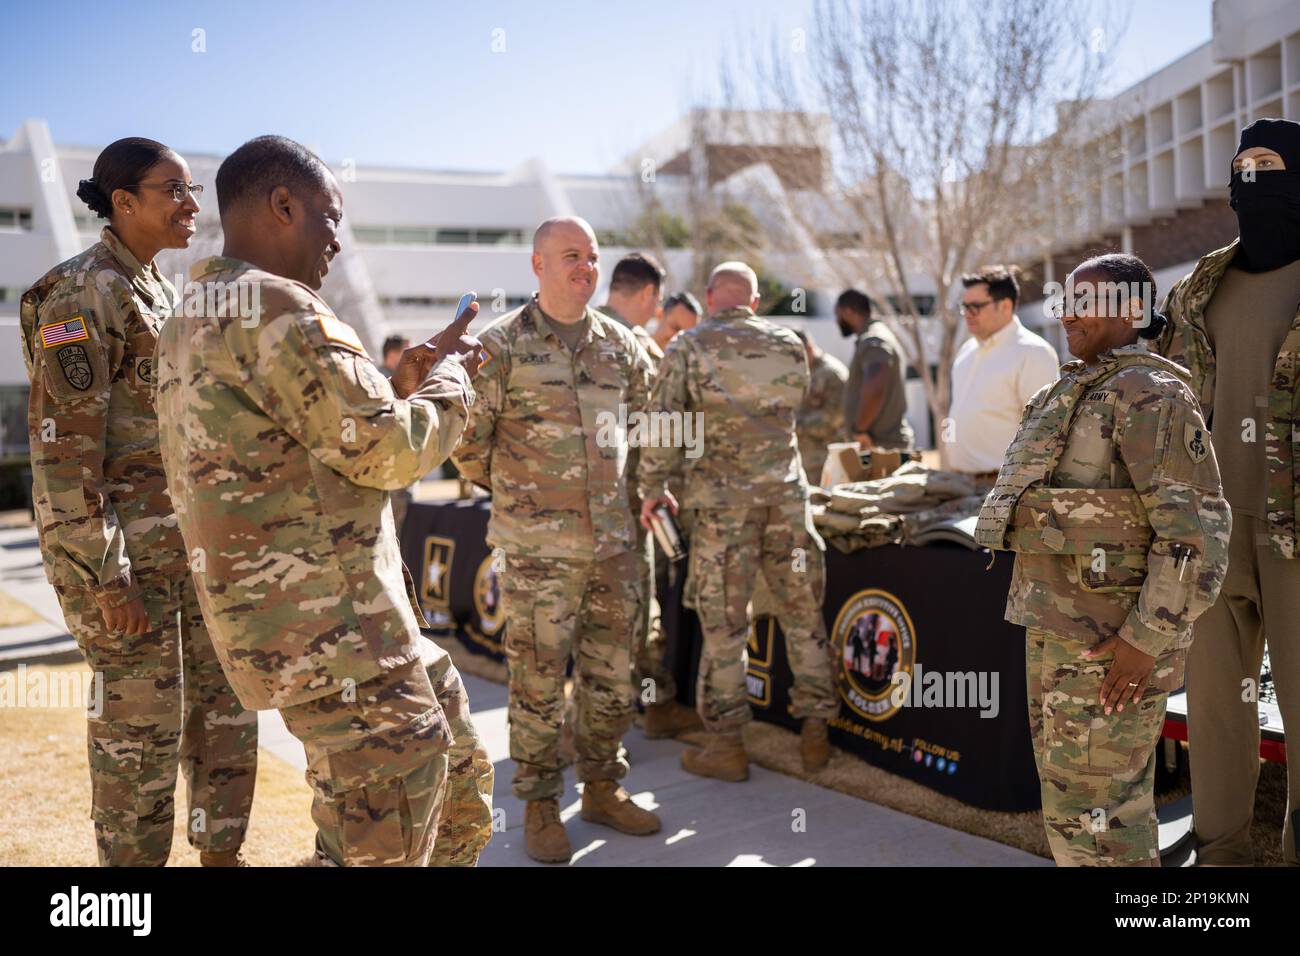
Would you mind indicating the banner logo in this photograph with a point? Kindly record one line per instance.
(875, 639)
(436, 586)
(487, 598)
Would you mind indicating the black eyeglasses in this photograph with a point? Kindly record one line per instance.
(179, 190)
(975, 308)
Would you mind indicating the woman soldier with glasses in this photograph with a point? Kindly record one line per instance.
(109, 539)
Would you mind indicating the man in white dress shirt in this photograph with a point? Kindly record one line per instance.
(996, 371)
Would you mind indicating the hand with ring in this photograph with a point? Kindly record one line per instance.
(1128, 674)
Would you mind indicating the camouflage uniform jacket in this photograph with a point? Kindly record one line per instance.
(543, 436)
(821, 416)
(282, 440)
(1186, 342)
(102, 509)
(746, 377)
(645, 338)
(1110, 493)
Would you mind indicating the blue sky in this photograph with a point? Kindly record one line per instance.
(578, 84)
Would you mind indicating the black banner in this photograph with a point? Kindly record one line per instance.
(931, 678)
(445, 547)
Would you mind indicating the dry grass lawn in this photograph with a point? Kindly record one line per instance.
(14, 612)
(45, 790)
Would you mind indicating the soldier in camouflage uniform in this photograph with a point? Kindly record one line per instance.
(821, 416)
(281, 441)
(109, 539)
(465, 825)
(1236, 327)
(1110, 496)
(634, 290)
(745, 507)
(543, 438)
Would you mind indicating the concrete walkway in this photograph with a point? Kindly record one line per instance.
(22, 577)
(771, 820)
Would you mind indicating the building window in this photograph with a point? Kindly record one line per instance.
(13, 218)
(432, 235)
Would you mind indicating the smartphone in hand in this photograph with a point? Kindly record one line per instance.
(464, 315)
(463, 311)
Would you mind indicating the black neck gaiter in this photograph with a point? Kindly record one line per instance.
(1267, 202)
(1268, 218)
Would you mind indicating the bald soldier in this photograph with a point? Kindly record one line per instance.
(745, 508)
(634, 291)
(540, 438)
(282, 441)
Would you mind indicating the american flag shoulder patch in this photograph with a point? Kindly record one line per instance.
(61, 333)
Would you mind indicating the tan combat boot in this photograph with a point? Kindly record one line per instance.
(723, 757)
(606, 803)
(668, 719)
(544, 835)
(814, 745)
(221, 858)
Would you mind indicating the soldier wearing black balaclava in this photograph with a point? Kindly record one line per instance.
(1236, 326)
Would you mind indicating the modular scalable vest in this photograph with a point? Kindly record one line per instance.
(1022, 514)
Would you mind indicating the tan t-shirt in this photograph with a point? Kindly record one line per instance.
(1247, 318)
(571, 333)
(877, 343)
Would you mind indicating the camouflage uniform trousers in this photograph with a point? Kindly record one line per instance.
(465, 824)
(1097, 772)
(557, 609)
(377, 764)
(729, 548)
(167, 704)
(401, 503)
(648, 638)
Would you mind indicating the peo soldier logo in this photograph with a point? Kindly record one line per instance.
(875, 639)
(76, 366)
(144, 371)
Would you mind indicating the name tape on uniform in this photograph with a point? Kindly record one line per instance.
(61, 333)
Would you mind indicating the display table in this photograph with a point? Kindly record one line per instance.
(934, 613)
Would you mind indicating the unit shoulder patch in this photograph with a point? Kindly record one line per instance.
(1196, 442)
(76, 366)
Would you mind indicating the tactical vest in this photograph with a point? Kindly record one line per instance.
(1021, 514)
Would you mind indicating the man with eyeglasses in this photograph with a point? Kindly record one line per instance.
(996, 371)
